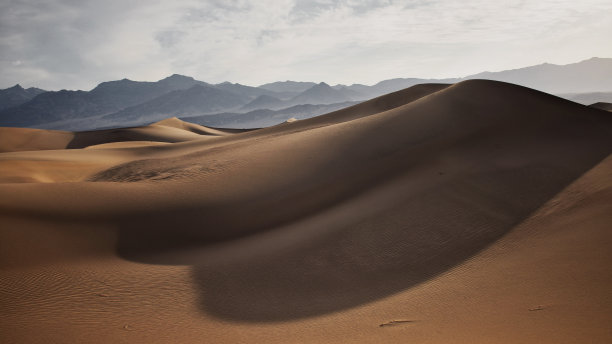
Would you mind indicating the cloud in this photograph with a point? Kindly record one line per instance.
(307, 9)
(76, 44)
(72, 43)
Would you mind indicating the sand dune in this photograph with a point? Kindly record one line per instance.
(154, 132)
(26, 139)
(169, 130)
(473, 212)
(196, 128)
(63, 161)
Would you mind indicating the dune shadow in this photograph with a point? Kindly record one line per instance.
(360, 261)
(384, 254)
(84, 139)
(354, 246)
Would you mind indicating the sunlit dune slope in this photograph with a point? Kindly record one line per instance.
(26, 139)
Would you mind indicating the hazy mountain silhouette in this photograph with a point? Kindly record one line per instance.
(197, 100)
(320, 93)
(243, 90)
(592, 75)
(265, 117)
(17, 95)
(53, 106)
(123, 93)
(588, 98)
(586, 82)
(352, 93)
(107, 97)
(288, 89)
(264, 102)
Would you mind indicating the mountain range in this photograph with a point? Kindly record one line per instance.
(126, 102)
(17, 95)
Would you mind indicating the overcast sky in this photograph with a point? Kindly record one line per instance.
(75, 44)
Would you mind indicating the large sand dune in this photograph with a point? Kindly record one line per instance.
(473, 213)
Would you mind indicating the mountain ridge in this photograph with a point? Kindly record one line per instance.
(116, 96)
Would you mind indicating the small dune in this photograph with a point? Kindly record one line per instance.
(25, 139)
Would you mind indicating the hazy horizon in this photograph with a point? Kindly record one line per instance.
(66, 45)
(284, 80)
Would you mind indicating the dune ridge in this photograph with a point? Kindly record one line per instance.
(450, 211)
(602, 106)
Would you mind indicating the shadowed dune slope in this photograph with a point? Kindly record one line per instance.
(198, 129)
(153, 132)
(322, 223)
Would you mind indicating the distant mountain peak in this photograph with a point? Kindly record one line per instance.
(598, 60)
(320, 93)
(288, 86)
(110, 84)
(177, 77)
(592, 75)
(16, 87)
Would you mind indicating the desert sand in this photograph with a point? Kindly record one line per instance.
(479, 212)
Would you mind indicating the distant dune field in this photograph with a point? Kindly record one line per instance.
(478, 212)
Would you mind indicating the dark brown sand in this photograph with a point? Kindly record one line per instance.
(474, 213)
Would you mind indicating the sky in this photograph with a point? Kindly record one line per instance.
(76, 44)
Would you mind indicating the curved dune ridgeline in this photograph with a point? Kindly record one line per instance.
(445, 213)
(602, 106)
